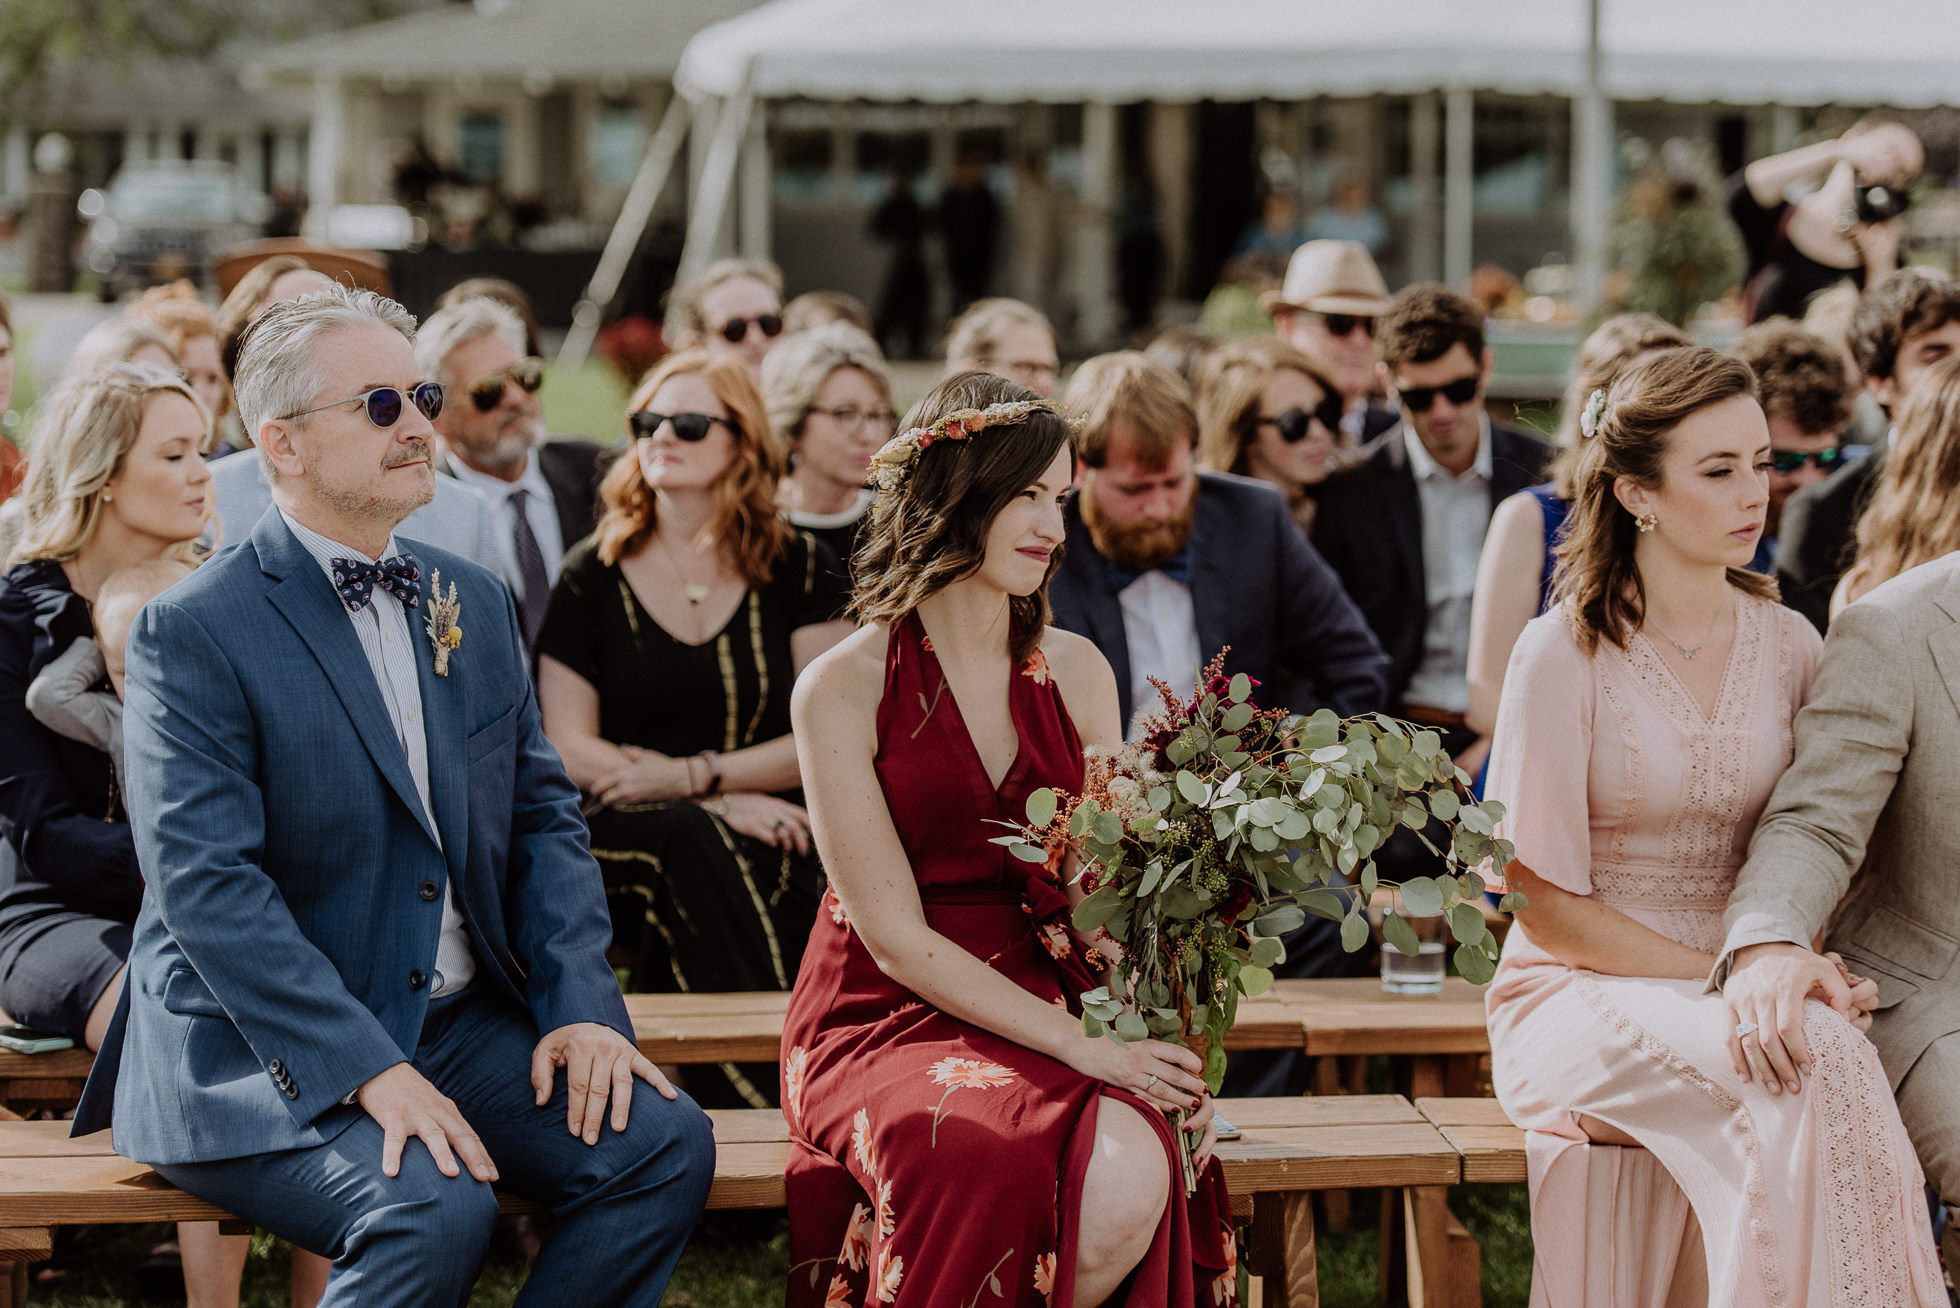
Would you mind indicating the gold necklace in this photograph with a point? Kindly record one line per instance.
(696, 592)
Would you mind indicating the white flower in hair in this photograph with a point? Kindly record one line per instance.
(1590, 416)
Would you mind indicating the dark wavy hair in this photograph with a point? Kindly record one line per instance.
(932, 530)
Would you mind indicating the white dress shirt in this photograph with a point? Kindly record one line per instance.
(1455, 518)
(386, 635)
(540, 511)
(1160, 626)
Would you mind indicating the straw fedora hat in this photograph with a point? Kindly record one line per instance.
(1331, 277)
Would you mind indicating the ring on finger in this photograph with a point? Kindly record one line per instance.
(1147, 1084)
(1743, 1030)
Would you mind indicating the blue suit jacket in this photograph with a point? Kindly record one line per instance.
(1257, 586)
(292, 879)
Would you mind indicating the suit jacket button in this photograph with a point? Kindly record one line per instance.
(415, 979)
(275, 1067)
(292, 1091)
(430, 890)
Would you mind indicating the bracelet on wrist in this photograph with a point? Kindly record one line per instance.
(713, 762)
(693, 786)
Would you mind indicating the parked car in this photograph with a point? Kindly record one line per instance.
(160, 221)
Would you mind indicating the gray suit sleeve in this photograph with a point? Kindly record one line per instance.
(1852, 739)
(60, 697)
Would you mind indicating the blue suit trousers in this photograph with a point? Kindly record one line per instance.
(620, 1210)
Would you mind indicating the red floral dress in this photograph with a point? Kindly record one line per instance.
(933, 1162)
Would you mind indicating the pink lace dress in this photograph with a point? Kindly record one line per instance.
(1618, 786)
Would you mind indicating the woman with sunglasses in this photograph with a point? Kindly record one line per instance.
(830, 399)
(732, 305)
(1910, 519)
(666, 659)
(1266, 410)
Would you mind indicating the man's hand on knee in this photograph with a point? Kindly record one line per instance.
(405, 1104)
(599, 1064)
(1767, 986)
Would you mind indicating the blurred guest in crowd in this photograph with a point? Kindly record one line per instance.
(123, 340)
(1278, 231)
(1805, 391)
(1514, 573)
(176, 311)
(1829, 319)
(1008, 339)
(814, 309)
(666, 661)
(1265, 410)
(1352, 217)
(1185, 349)
(1848, 227)
(1404, 529)
(505, 292)
(905, 299)
(281, 277)
(829, 397)
(1327, 309)
(541, 495)
(1166, 565)
(1910, 519)
(969, 222)
(1904, 325)
(732, 305)
(10, 456)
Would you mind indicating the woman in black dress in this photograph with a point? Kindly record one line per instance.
(665, 665)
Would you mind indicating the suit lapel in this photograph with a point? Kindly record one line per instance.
(1402, 513)
(306, 599)
(1212, 590)
(442, 717)
(1945, 642)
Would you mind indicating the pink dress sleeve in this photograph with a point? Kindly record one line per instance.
(1541, 754)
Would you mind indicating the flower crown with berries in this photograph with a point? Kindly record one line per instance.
(893, 463)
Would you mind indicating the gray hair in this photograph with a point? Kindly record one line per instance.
(117, 340)
(799, 366)
(276, 372)
(459, 324)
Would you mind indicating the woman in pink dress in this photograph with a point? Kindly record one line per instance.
(1647, 716)
(955, 1137)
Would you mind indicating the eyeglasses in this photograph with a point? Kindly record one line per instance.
(1343, 324)
(1294, 424)
(1461, 391)
(384, 404)
(736, 329)
(689, 427)
(1827, 460)
(850, 416)
(487, 392)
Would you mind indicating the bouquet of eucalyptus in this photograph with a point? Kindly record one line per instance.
(1214, 835)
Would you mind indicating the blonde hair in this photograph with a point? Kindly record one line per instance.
(1596, 568)
(86, 430)
(116, 340)
(1152, 399)
(1910, 520)
(798, 368)
(176, 311)
(1233, 379)
(745, 520)
(686, 323)
(973, 339)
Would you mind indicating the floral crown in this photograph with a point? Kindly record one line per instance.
(893, 463)
(1590, 416)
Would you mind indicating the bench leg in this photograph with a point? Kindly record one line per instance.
(1425, 1223)
(1282, 1250)
(1466, 1267)
(18, 1248)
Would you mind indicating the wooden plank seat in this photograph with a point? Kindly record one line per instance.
(1492, 1148)
(1441, 1038)
(1290, 1148)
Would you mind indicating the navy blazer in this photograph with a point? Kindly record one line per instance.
(1257, 586)
(1368, 524)
(294, 884)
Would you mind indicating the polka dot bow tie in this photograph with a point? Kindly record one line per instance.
(397, 574)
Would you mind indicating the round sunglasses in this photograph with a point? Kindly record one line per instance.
(1461, 391)
(487, 392)
(385, 404)
(736, 329)
(1827, 460)
(1293, 424)
(689, 427)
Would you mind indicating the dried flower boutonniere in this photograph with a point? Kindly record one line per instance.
(444, 634)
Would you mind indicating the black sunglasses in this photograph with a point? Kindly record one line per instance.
(689, 427)
(487, 392)
(1294, 423)
(1461, 391)
(1827, 460)
(384, 404)
(735, 329)
(1340, 324)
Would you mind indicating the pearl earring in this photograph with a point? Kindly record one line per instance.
(1646, 522)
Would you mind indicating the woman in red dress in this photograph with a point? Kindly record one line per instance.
(956, 1138)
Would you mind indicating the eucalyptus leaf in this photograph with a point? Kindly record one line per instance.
(1131, 1026)
(1095, 911)
(1330, 754)
(1178, 902)
(1179, 752)
(1091, 1025)
(1280, 919)
(1080, 820)
(1236, 717)
(1315, 780)
(1255, 980)
(1192, 789)
(1370, 879)
(1467, 924)
(1475, 819)
(1367, 839)
(1426, 744)
(1324, 904)
(1511, 902)
(1266, 951)
(1444, 804)
(1240, 690)
(1354, 931)
(1294, 826)
(1422, 897)
(1160, 798)
(1264, 839)
(1474, 965)
(1028, 853)
(1108, 828)
(1398, 934)
(1041, 808)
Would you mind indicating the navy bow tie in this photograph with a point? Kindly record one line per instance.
(1177, 567)
(356, 579)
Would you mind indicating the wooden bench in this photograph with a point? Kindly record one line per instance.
(1442, 1036)
(1290, 1148)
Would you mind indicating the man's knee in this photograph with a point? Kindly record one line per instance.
(444, 1213)
(1929, 1105)
(668, 1146)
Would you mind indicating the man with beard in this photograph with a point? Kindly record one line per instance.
(1167, 565)
(542, 495)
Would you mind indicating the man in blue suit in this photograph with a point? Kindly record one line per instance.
(370, 912)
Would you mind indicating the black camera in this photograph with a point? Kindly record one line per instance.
(1878, 204)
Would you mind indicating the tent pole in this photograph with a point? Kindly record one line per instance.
(1592, 143)
(1095, 244)
(753, 192)
(717, 183)
(1425, 227)
(656, 166)
(1459, 142)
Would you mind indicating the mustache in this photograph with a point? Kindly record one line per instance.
(417, 452)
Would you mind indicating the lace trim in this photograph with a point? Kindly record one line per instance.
(1762, 1230)
(1635, 779)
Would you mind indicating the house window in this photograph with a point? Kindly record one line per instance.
(618, 141)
